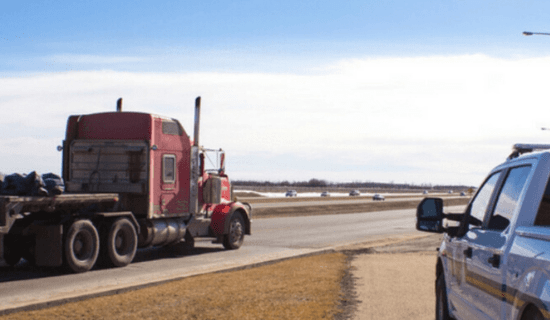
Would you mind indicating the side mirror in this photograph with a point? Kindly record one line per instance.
(429, 215)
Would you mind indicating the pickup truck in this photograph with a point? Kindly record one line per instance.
(494, 259)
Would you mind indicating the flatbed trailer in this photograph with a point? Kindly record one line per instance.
(17, 207)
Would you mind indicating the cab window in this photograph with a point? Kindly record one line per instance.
(168, 168)
(482, 199)
(508, 198)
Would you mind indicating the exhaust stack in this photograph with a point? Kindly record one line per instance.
(196, 169)
(119, 105)
(197, 121)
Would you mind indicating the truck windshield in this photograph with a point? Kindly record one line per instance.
(213, 160)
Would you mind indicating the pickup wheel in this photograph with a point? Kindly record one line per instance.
(234, 239)
(441, 304)
(121, 243)
(532, 313)
(81, 246)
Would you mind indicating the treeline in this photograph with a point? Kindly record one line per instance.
(316, 183)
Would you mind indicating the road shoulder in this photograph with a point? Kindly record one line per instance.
(391, 280)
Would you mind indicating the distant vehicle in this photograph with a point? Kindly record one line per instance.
(378, 197)
(291, 193)
(325, 194)
(463, 194)
(425, 192)
(450, 191)
(354, 193)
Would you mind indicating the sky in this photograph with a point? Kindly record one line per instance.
(423, 92)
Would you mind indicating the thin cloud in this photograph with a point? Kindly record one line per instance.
(441, 119)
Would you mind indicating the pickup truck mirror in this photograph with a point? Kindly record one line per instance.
(429, 215)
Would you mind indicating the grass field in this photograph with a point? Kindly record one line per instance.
(304, 288)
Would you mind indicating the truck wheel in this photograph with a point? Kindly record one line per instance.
(121, 243)
(234, 239)
(81, 246)
(441, 305)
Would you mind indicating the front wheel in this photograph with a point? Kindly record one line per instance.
(441, 305)
(81, 246)
(234, 239)
(532, 313)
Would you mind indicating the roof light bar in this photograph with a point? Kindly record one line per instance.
(521, 148)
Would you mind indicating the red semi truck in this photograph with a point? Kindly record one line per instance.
(132, 180)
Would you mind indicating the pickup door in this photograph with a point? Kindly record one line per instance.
(479, 274)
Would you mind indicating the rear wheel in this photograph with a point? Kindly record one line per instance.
(441, 305)
(121, 243)
(81, 246)
(234, 239)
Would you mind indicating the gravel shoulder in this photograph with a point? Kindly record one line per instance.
(392, 281)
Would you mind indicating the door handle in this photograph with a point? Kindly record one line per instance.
(468, 252)
(494, 260)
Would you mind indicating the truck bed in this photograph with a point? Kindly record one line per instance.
(13, 206)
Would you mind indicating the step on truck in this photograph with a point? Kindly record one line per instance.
(494, 260)
(132, 180)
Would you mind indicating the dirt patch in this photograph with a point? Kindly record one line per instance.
(393, 281)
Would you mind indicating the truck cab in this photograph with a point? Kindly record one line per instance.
(494, 261)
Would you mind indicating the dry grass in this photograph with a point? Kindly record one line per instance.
(304, 288)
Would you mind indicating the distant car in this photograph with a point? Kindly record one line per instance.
(463, 194)
(425, 192)
(354, 193)
(325, 194)
(378, 197)
(291, 193)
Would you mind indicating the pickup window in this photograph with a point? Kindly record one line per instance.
(508, 198)
(543, 215)
(481, 202)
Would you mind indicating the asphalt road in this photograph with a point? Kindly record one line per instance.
(272, 239)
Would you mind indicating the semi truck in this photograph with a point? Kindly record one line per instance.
(132, 180)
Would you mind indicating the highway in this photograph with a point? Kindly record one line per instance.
(271, 239)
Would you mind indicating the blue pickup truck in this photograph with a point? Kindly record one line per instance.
(494, 260)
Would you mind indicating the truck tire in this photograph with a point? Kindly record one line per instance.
(234, 239)
(441, 304)
(81, 246)
(121, 243)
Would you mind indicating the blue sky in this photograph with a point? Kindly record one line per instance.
(404, 91)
